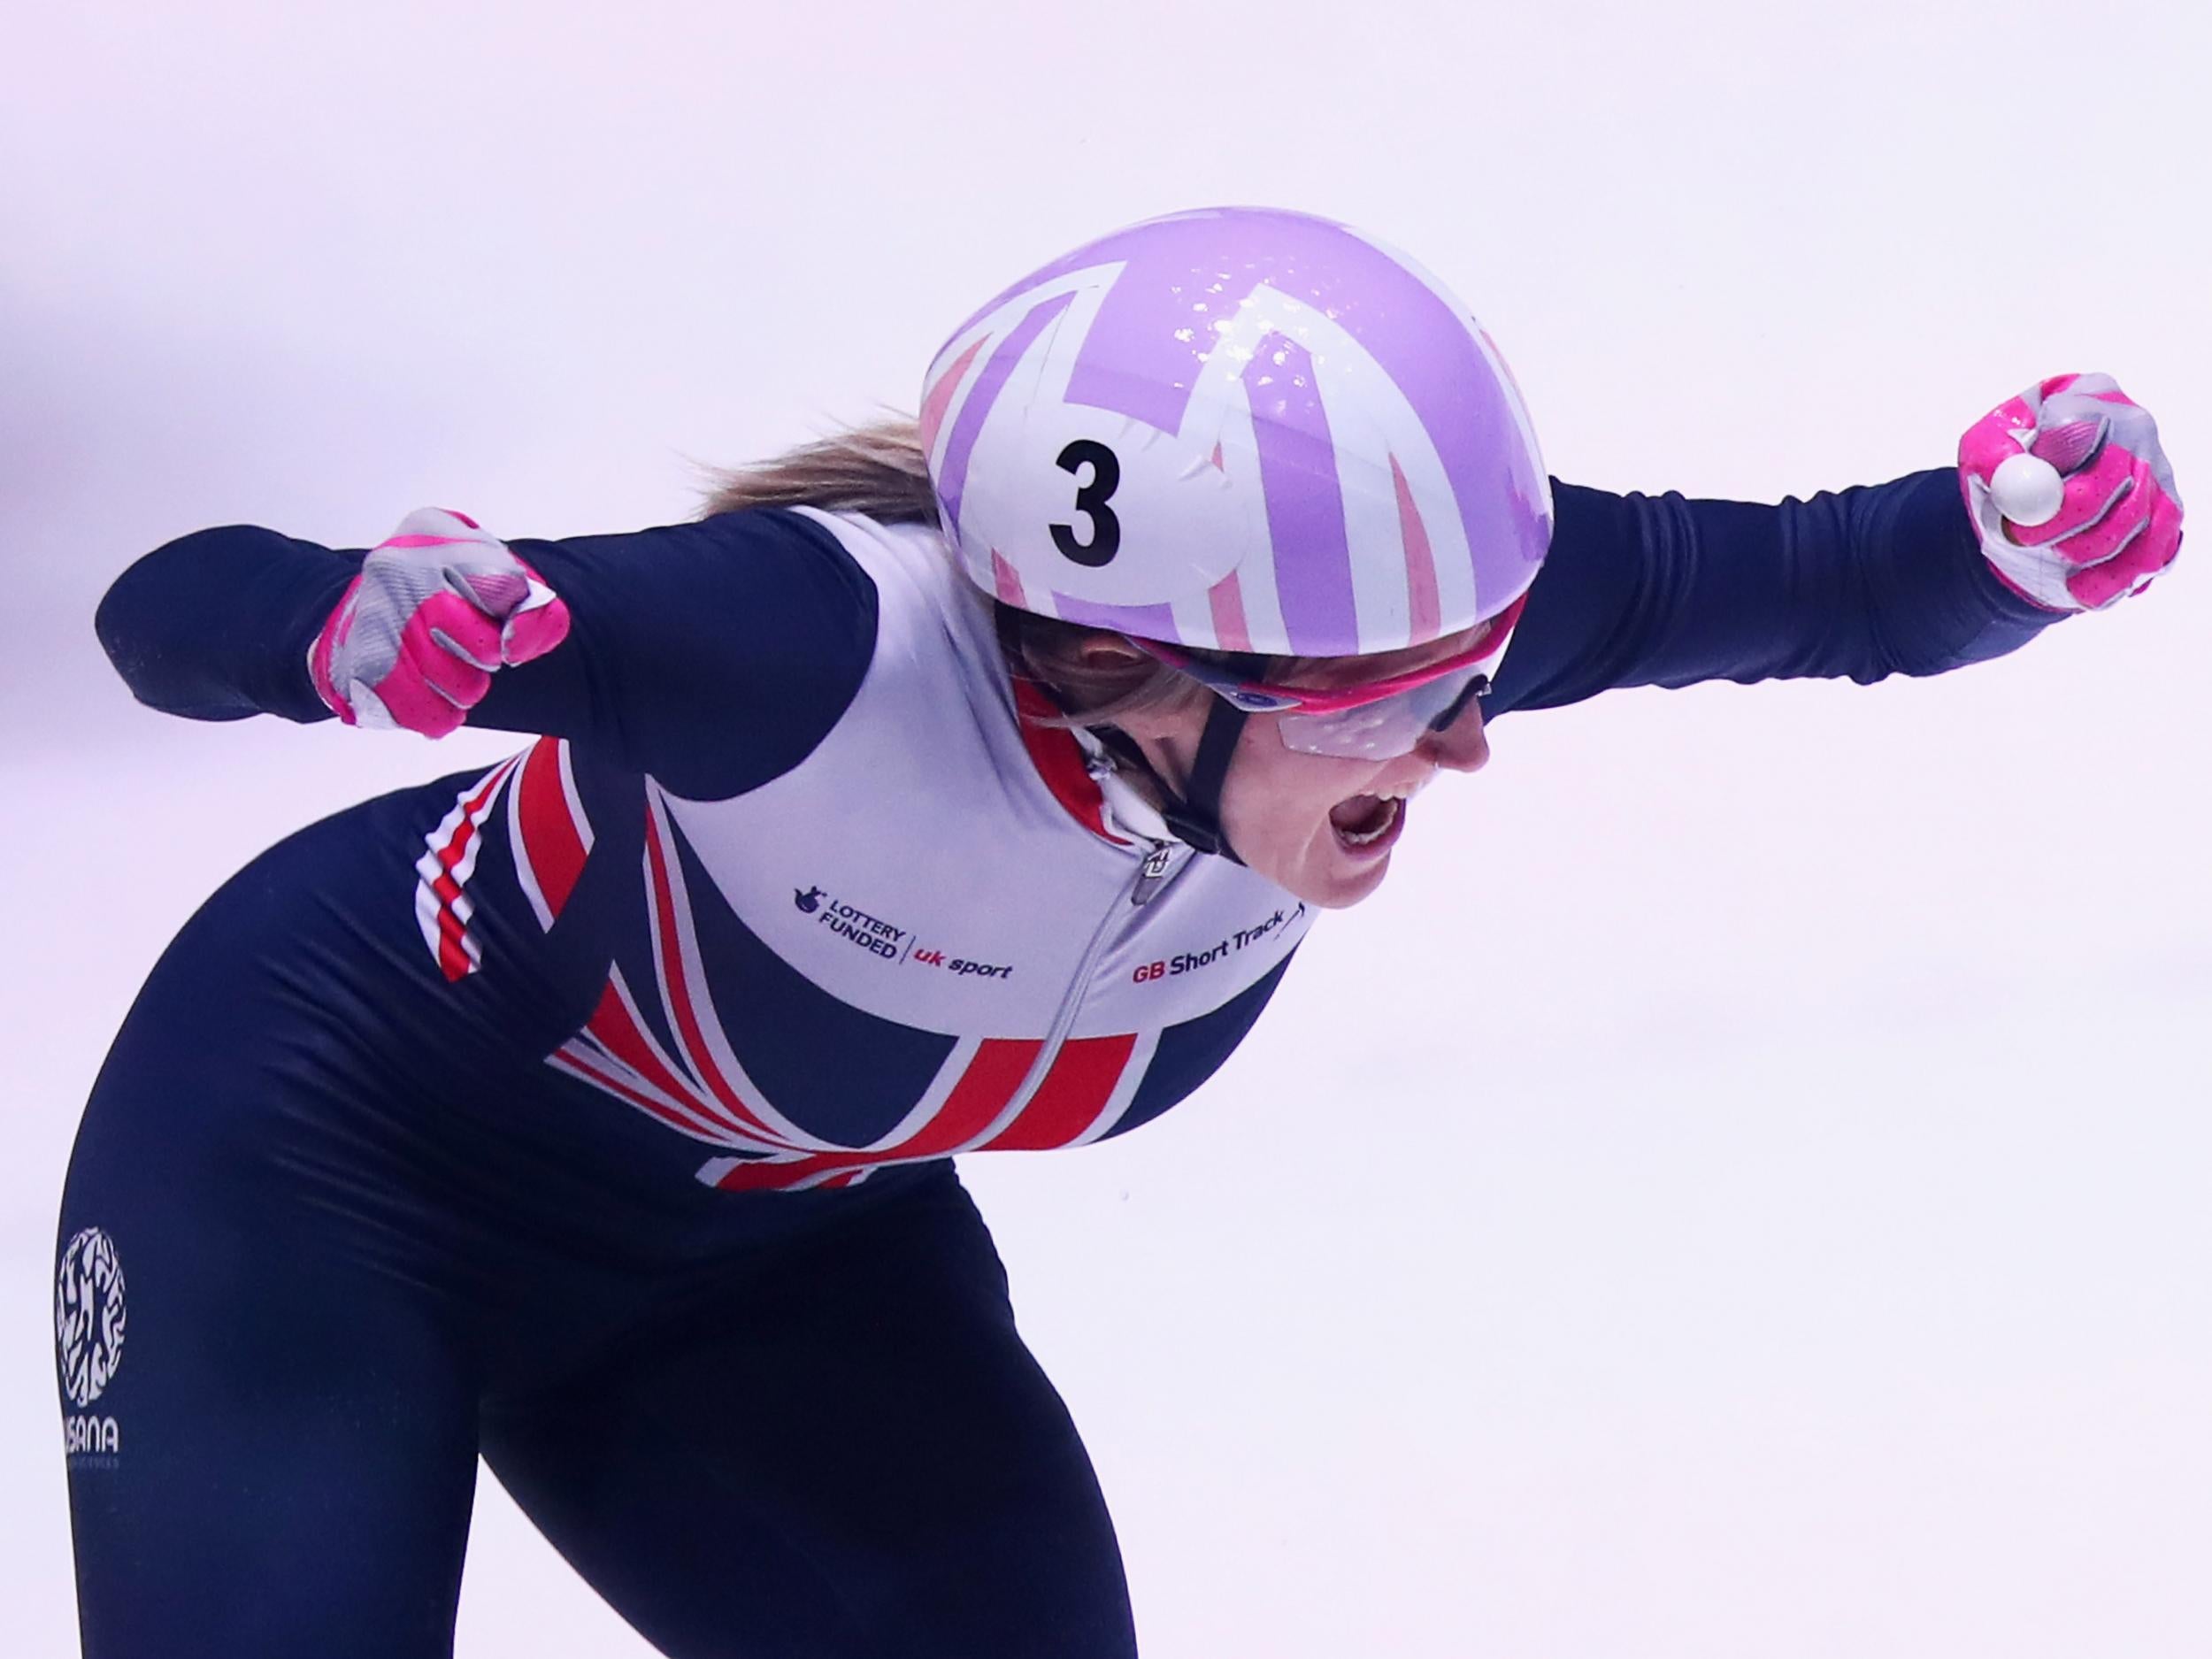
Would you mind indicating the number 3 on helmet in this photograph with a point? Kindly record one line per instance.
(1238, 429)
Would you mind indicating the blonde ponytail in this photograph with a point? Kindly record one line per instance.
(876, 470)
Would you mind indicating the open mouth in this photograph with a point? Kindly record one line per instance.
(1367, 823)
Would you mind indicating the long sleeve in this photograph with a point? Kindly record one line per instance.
(714, 655)
(216, 625)
(1663, 591)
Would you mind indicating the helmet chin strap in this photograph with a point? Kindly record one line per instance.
(1195, 814)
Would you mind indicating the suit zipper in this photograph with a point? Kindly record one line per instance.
(1158, 867)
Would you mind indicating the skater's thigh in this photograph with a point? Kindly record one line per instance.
(271, 1430)
(850, 1454)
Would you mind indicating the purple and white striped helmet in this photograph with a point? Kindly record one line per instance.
(1240, 429)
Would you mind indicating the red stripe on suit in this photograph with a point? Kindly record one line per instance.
(550, 834)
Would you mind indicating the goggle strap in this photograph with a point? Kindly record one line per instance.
(1196, 815)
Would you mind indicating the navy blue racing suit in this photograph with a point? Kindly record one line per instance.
(596, 1113)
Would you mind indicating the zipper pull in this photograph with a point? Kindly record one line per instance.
(1153, 874)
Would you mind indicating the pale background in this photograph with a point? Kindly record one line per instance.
(1740, 1190)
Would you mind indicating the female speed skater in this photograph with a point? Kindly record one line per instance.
(953, 785)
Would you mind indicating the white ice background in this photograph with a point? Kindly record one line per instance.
(1743, 1188)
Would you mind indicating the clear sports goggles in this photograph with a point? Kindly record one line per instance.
(1375, 721)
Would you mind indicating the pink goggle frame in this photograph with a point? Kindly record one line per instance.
(1377, 719)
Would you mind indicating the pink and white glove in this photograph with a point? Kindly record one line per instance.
(2071, 493)
(438, 608)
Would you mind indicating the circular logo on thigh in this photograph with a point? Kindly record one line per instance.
(88, 1315)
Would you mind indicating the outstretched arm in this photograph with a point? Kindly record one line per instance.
(1892, 578)
(713, 655)
(1643, 590)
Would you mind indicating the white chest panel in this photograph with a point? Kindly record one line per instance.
(917, 866)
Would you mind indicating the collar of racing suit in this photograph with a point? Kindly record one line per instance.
(1088, 771)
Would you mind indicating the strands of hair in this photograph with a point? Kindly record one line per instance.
(878, 469)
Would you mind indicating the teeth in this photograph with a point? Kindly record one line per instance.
(1404, 791)
(1365, 837)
